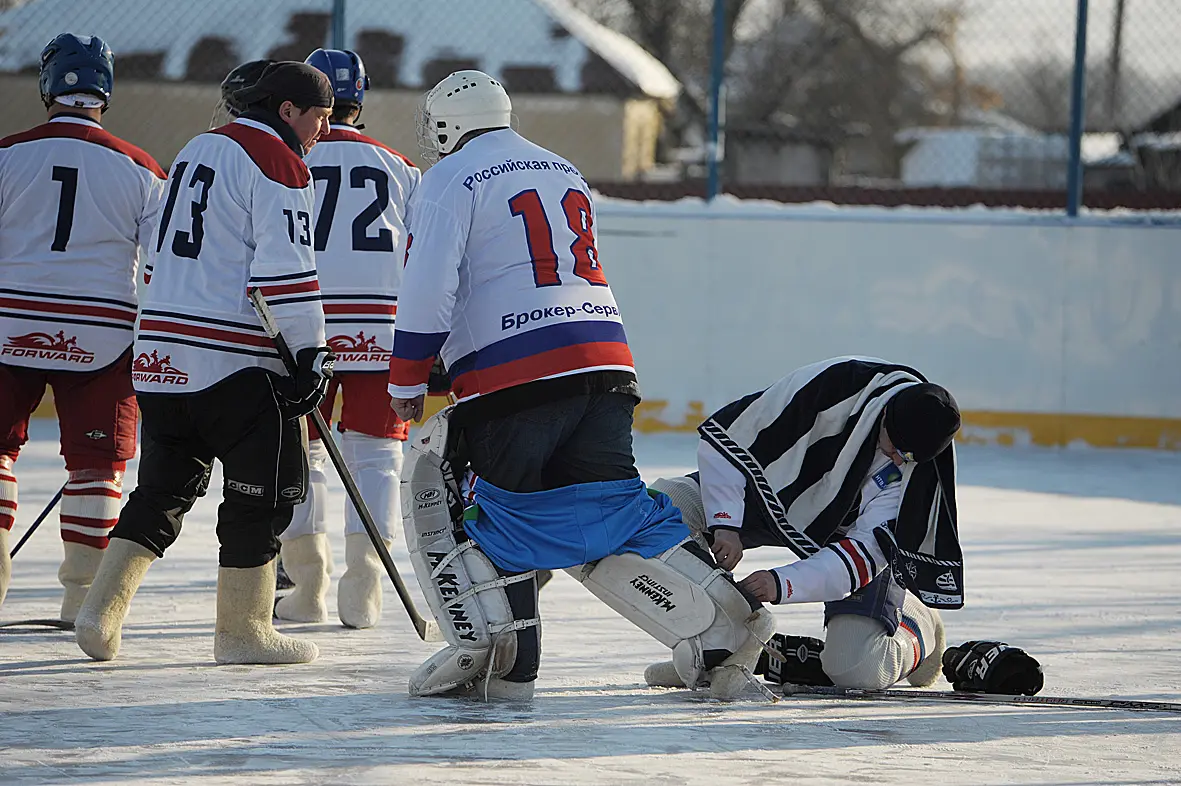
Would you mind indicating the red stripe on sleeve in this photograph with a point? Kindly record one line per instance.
(291, 289)
(407, 373)
(360, 308)
(863, 576)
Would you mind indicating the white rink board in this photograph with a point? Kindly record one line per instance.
(1019, 312)
(1073, 555)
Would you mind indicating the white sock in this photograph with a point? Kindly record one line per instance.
(90, 506)
(376, 466)
(309, 517)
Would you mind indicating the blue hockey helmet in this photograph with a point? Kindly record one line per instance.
(77, 64)
(346, 72)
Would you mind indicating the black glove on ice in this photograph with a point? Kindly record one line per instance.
(992, 667)
(798, 661)
(304, 392)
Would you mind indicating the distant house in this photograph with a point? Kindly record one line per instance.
(540, 48)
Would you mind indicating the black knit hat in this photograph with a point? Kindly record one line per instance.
(922, 420)
(287, 80)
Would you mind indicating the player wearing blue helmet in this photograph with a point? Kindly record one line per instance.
(345, 70)
(76, 204)
(360, 238)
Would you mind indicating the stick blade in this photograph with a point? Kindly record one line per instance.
(430, 631)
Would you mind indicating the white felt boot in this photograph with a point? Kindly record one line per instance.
(358, 596)
(244, 633)
(306, 561)
(5, 564)
(76, 574)
(99, 623)
(733, 675)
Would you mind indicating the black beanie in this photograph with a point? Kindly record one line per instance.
(287, 80)
(922, 420)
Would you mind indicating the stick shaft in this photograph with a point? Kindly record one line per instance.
(44, 514)
(268, 322)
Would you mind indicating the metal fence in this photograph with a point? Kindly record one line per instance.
(947, 102)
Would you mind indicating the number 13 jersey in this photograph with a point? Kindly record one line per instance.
(237, 213)
(502, 274)
(359, 236)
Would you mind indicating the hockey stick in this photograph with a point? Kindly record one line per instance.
(45, 513)
(904, 694)
(428, 630)
(51, 624)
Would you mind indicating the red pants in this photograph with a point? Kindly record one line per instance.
(366, 406)
(96, 412)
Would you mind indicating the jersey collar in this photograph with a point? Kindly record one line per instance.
(66, 117)
(273, 125)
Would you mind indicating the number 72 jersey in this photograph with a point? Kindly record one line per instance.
(237, 213)
(359, 235)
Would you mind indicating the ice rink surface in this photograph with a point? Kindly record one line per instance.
(1073, 555)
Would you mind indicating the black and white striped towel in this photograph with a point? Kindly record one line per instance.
(806, 444)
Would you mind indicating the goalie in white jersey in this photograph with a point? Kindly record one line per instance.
(75, 206)
(238, 215)
(359, 235)
(503, 281)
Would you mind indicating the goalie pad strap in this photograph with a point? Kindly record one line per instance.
(498, 583)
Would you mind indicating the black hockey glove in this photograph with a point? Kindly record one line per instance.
(439, 383)
(304, 392)
(797, 661)
(992, 667)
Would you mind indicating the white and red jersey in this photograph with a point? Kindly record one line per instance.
(359, 237)
(237, 214)
(76, 204)
(502, 274)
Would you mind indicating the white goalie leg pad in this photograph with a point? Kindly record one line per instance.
(461, 585)
(685, 493)
(682, 602)
(309, 517)
(376, 466)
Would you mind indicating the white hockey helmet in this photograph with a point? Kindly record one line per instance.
(464, 101)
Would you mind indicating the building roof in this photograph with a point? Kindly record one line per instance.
(547, 36)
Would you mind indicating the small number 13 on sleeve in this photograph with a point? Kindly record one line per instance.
(305, 226)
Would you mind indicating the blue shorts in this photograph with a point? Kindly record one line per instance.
(572, 525)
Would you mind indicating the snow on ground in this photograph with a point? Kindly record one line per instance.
(1072, 555)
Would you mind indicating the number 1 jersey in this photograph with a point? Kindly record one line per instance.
(359, 236)
(502, 274)
(237, 213)
(76, 205)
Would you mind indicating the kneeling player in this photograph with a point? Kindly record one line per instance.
(849, 464)
(544, 420)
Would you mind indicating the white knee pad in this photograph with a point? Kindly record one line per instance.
(309, 517)
(685, 493)
(679, 600)
(461, 584)
(376, 466)
(859, 654)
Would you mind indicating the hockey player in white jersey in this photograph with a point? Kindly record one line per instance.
(238, 215)
(849, 463)
(503, 281)
(75, 208)
(359, 235)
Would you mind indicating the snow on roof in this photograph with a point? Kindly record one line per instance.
(621, 53)
(507, 33)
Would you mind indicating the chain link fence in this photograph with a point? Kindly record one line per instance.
(872, 101)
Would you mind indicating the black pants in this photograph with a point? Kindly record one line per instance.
(264, 461)
(580, 439)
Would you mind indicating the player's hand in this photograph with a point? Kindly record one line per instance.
(408, 409)
(727, 547)
(763, 585)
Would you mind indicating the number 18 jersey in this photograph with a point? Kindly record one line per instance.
(502, 274)
(237, 213)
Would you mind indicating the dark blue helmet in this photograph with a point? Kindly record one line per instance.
(77, 64)
(346, 72)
